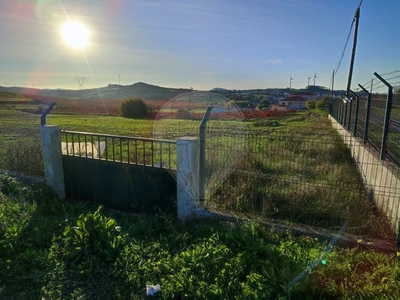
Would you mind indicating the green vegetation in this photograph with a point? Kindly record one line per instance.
(296, 169)
(310, 104)
(299, 170)
(321, 104)
(264, 104)
(134, 108)
(54, 249)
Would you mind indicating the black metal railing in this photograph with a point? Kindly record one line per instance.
(124, 149)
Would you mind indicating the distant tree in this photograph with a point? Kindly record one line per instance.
(134, 108)
(264, 104)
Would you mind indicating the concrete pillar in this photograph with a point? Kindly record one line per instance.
(188, 179)
(52, 158)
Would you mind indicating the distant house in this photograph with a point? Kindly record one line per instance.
(297, 100)
(293, 102)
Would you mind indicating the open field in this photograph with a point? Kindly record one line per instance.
(295, 169)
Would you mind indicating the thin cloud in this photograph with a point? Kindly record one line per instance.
(272, 61)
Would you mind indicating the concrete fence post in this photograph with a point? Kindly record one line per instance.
(52, 158)
(188, 180)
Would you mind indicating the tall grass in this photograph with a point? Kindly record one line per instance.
(23, 155)
(303, 174)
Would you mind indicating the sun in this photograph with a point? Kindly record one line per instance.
(75, 34)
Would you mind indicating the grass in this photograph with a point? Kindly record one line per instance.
(54, 249)
(301, 171)
(46, 245)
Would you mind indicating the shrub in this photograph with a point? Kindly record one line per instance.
(310, 104)
(320, 104)
(134, 108)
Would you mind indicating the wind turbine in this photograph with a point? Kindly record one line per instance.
(309, 77)
(290, 83)
(315, 76)
(119, 79)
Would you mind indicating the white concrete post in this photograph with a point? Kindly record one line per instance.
(188, 179)
(52, 158)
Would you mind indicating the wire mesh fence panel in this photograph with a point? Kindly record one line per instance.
(361, 117)
(301, 176)
(393, 141)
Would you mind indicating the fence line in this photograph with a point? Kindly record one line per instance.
(374, 117)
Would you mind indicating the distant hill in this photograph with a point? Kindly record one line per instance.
(112, 91)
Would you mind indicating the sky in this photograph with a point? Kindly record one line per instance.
(235, 44)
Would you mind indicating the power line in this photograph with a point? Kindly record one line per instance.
(347, 40)
(345, 46)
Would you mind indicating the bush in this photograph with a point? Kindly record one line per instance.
(264, 104)
(134, 108)
(320, 104)
(310, 104)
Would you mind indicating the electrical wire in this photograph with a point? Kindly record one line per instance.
(345, 46)
(347, 41)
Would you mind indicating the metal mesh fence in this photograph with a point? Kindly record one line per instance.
(393, 142)
(375, 118)
(304, 175)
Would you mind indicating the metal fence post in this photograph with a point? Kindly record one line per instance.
(367, 112)
(388, 110)
(202, 157)
(356, 112)
(350, 110)
(345, 115)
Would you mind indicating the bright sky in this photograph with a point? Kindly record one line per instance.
(237, 44)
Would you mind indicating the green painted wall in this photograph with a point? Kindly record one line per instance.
(120, 186)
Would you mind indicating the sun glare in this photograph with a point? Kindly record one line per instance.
(75, 34)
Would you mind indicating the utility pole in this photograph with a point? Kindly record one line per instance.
(353, 51)
(333, 84)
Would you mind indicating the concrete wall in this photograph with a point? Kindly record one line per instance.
(380, 176)
(120, 185)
